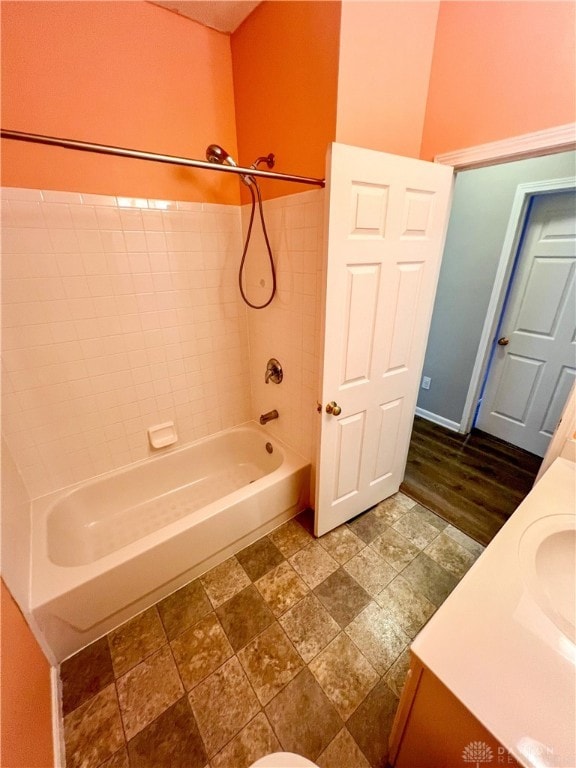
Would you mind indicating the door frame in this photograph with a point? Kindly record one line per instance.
(561, 138)
(504, 276)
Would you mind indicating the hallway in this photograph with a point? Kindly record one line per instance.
(473, 481)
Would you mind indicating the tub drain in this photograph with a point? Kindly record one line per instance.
(269, 447)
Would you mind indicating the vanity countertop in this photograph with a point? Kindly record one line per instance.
(501, 642)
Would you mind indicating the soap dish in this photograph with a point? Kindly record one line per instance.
(162, 435)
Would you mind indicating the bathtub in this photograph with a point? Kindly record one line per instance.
(104, 550)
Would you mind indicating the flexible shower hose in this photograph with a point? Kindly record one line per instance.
(247, 243)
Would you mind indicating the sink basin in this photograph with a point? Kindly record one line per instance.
(547, 554)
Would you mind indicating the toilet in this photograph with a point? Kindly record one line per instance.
(283, 760)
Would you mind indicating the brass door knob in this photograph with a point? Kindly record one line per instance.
(333, 408)
(503, 341)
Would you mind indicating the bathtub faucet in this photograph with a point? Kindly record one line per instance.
(266, 417)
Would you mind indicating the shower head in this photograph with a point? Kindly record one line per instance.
(216, 154)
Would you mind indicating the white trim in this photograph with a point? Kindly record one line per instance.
(560, 138)
(440, 420)
(518, 212)
(57, 732)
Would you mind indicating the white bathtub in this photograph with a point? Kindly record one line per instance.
(104, 550)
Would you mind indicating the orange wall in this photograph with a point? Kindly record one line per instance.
(500, 69)
(385, 58)
(285, 60)
(122, 73)
(26, 716)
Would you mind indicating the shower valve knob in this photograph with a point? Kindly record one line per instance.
(333, 408)
(274, 372)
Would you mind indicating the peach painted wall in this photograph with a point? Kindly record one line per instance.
(385, 59)
(122, 73)
(285, 60)
(500, 69)
(26, 714)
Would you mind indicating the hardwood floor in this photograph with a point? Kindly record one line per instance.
(473, 481)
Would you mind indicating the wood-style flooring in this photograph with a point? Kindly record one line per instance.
(473, 481)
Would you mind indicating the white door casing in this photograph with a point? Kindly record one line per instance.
(386, 225)
(530, 377)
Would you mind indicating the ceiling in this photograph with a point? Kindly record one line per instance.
(223, 15)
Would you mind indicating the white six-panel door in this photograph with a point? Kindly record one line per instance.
(387, 218)
(531, 375)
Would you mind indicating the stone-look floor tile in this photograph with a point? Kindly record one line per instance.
(290, 537)
(342, 596)
(118, 760)
(260, 557)
(224, 581)
(303, 718)
(85, 674)
(391, 509)
(395, 548)
(370, 570)
(430, 517)
(409, 609)
(270, 662)
(396, 675)
(222, 705)
(171, 740)
(452, 556)
(341, 544)
(343, 752)
(313, 564)
(378, 637)
(93, 732)
(201, 650)
(427, 577)
(309, 626)
(253, 742)
(138, 638)
(282, 588)
(404, 500)
(464, 540)
(184, 608)
(413, 527)
(367, 526)
(244, 616)
(379, 707)
(147, 690)
(344, 674)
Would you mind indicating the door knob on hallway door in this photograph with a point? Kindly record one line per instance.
(503, 342)
(333, 408)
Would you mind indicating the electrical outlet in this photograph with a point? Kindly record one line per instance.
(426, 381)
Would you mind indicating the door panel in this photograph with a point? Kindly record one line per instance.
(530, 378)
(386, 227)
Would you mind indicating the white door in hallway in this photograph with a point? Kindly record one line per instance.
(386, 224)
(534, 362)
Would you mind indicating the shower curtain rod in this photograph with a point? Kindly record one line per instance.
(104, 149)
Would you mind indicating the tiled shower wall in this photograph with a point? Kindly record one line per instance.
(289, 329)
(119, 314)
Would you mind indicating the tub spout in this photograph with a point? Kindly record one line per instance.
(266, 417)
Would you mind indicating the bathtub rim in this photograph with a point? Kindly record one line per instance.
(49, 581)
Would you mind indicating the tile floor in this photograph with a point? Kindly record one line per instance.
(295, 643)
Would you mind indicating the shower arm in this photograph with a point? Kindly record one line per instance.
(104, 149)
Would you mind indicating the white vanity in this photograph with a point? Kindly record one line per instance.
(493, 674)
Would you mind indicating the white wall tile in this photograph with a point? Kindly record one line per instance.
(119, 314)
(101, 332)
